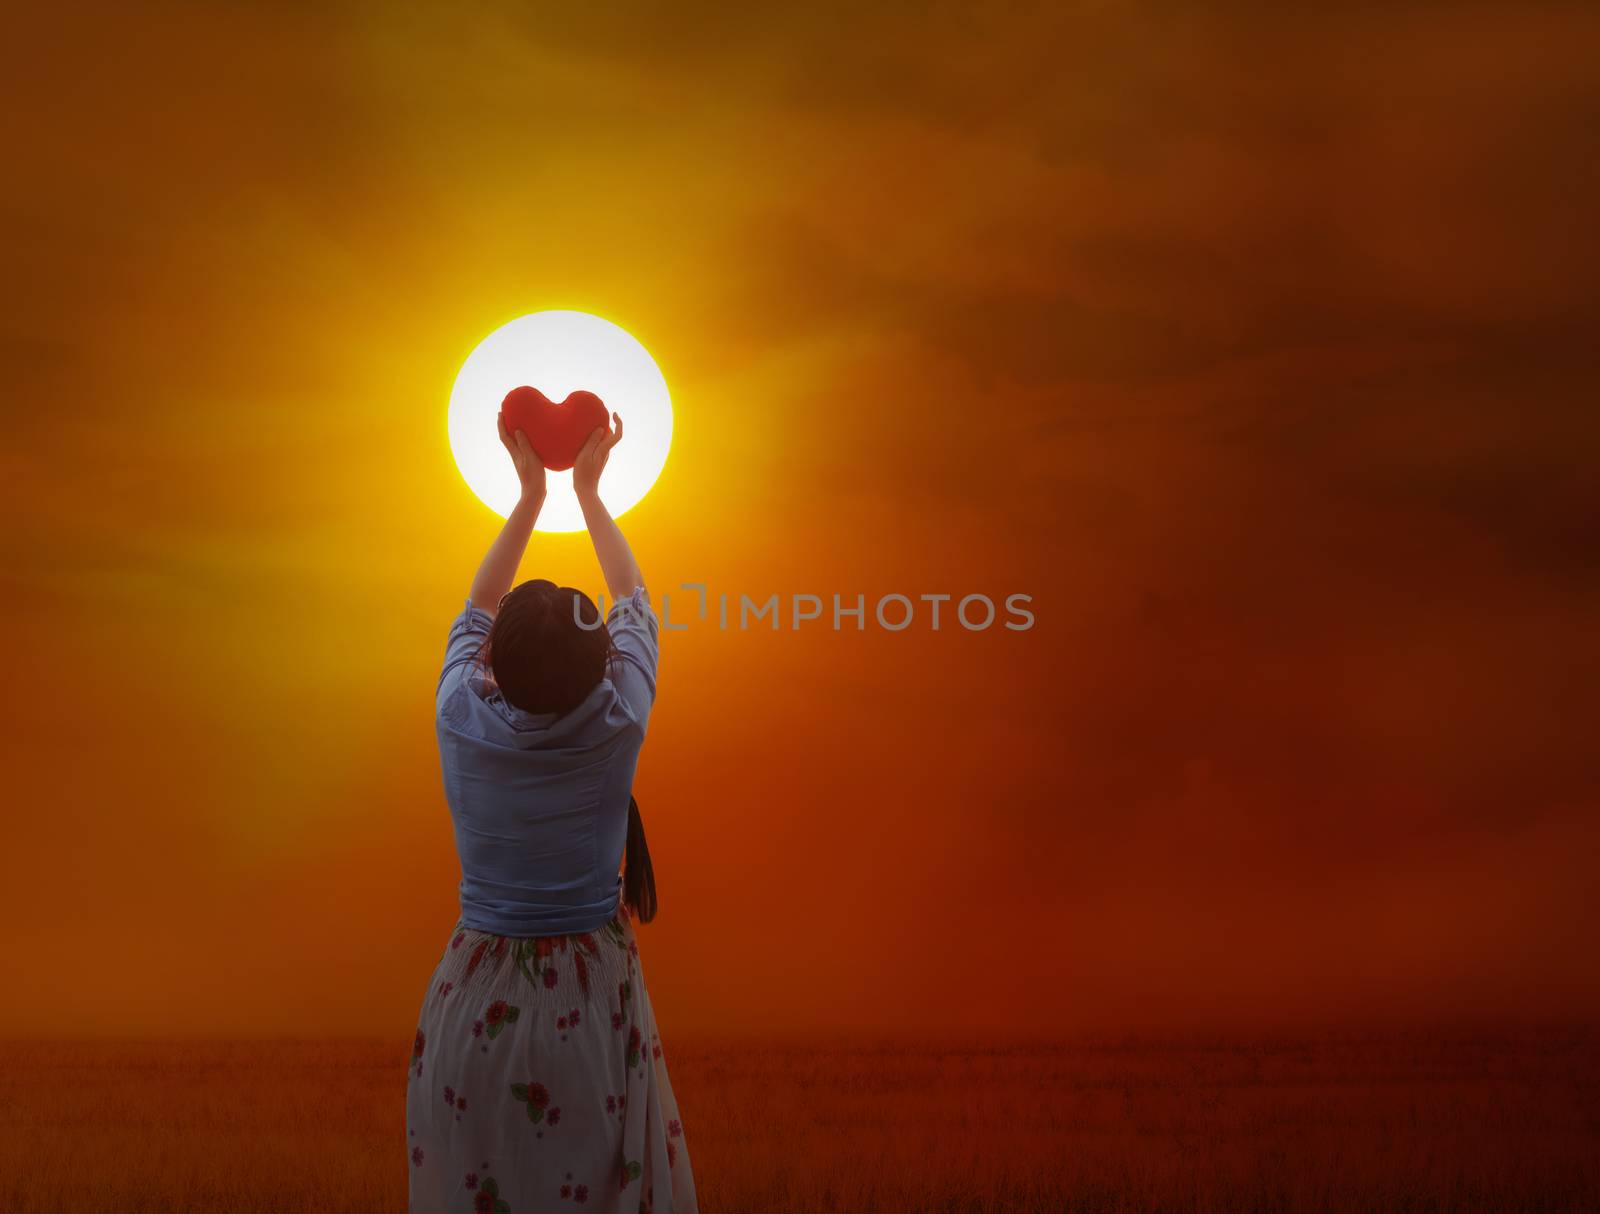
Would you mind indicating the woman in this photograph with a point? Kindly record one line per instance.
(537, 1077)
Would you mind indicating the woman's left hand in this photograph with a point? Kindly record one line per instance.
(530, 468)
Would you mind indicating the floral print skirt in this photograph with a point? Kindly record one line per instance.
(537, 1081)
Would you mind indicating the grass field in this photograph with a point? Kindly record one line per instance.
(1405, 1124)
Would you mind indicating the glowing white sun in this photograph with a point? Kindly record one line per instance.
(561, 352)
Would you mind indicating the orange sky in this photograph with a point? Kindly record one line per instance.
(1259, 350)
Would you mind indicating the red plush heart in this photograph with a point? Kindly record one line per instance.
(557, 432)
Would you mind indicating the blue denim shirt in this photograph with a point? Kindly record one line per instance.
(540, 802)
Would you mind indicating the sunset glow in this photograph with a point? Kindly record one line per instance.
(1258, 352)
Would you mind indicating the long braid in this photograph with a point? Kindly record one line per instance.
(638, 874)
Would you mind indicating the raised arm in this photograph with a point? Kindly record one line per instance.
(621, 571)
(499, 568)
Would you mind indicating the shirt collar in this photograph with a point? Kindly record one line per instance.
(482, 687)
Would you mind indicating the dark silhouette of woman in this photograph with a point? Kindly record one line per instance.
(537, 1076)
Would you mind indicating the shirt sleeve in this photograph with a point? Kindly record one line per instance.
(635, 636)
(468, 631)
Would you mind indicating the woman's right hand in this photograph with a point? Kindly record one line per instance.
(592, 458)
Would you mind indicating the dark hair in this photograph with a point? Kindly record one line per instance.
(548, 649)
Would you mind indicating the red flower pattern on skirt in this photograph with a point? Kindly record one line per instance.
(533, 1073)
